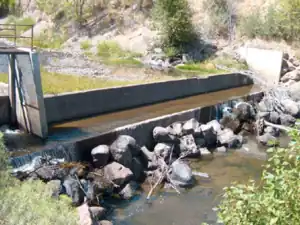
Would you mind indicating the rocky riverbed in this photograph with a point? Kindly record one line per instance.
(118, 170)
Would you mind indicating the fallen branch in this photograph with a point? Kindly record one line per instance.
(281, 127)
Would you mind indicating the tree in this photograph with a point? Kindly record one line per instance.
(173, 20)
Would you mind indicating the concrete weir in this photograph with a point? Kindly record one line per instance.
(79, 150)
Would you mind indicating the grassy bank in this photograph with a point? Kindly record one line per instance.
(54, 83)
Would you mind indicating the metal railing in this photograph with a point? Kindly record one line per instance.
(11, 32)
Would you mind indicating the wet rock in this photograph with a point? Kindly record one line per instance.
(274, 117)
(105, 222)
(191, 126)
(205, 154)
(146, 153)
(163, 150)
(221, 149)
(161, 134)
(200, 142)
(99, 183)
(51, 172)
(181, 174)
(227, 138)
(117, 173)
(209, 135)
(175, 129)
(287, 120)
(73, 190)
(97, 212)
(129, 190)
(55, 187)
(267, 139)
(231, 123)
(265, 105)
(244, 111)
(100, 155)
(215, 124)
(137, 169)
(273, 131)
(292, 75)
(188, 146)
(123, 148)
(290, 107)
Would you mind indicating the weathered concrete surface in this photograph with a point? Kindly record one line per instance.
(82, 104)
(266, 63)
(4, 110)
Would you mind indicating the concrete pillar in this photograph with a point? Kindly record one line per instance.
(11, 88)
(30, 108)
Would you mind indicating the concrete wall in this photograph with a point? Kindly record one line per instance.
(87, 103)
(80, 150)
(4, 110)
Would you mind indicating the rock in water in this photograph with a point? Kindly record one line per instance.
(73, 190)
(188, 146)
(215, 124)
(181, 174)
(191, 126)
(129, 190)
(175, 129)
(123, 148)
(97, 212)
(163, 150)
(161, 134)
(244, 111)
(287, 120)
(227, 138)
(117, 173)
(100, 155)
(209, 135)
(290, 107)
(137, 168)
(268, 140)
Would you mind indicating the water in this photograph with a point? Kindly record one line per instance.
(194, 206)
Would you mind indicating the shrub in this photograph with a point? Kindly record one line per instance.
(276, 199)
(85, 45)
(173, 20)
(30, 202)
(112, 49)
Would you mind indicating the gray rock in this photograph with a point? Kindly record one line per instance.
(290, 106)
(73, 190)
(137, 168)
(146, 153)
(161, 134)
(163, 150)
(55, 187)
(273, 131)
(200, 142)
(190, 126)
(215, 124)
(105, 222)
(274, 117)
(287, 120)
(117, 173)
(221, 149)
(268, 140)
(97, 212)
(227, 138)
(175, 129)
(188, 146)
(181, 174)
(209, 135)
(292, 75)
(230, 122)
(129, 190)
(123, 148)
(100, 155)
(294, 90)
(244, 111)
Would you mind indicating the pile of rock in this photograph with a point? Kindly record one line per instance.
(290, 72)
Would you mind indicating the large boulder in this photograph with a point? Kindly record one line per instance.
(188, 146)
(163, 150)
(123, 148)
(117, 173)
(292, 75)
(209, 135)
(161, 134)
(290, 106)
(175, 129)
(72, 188)
(97, 212)
(287, 120)
(100, 155)
(294, 90)
(129, 190)
(244, 111)
(227, 138)
(191, 127)
(181, 174)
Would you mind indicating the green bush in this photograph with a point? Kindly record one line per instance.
(85, 45)
(29, 202)
(173, 20)
(275, 200)
(280, 21)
